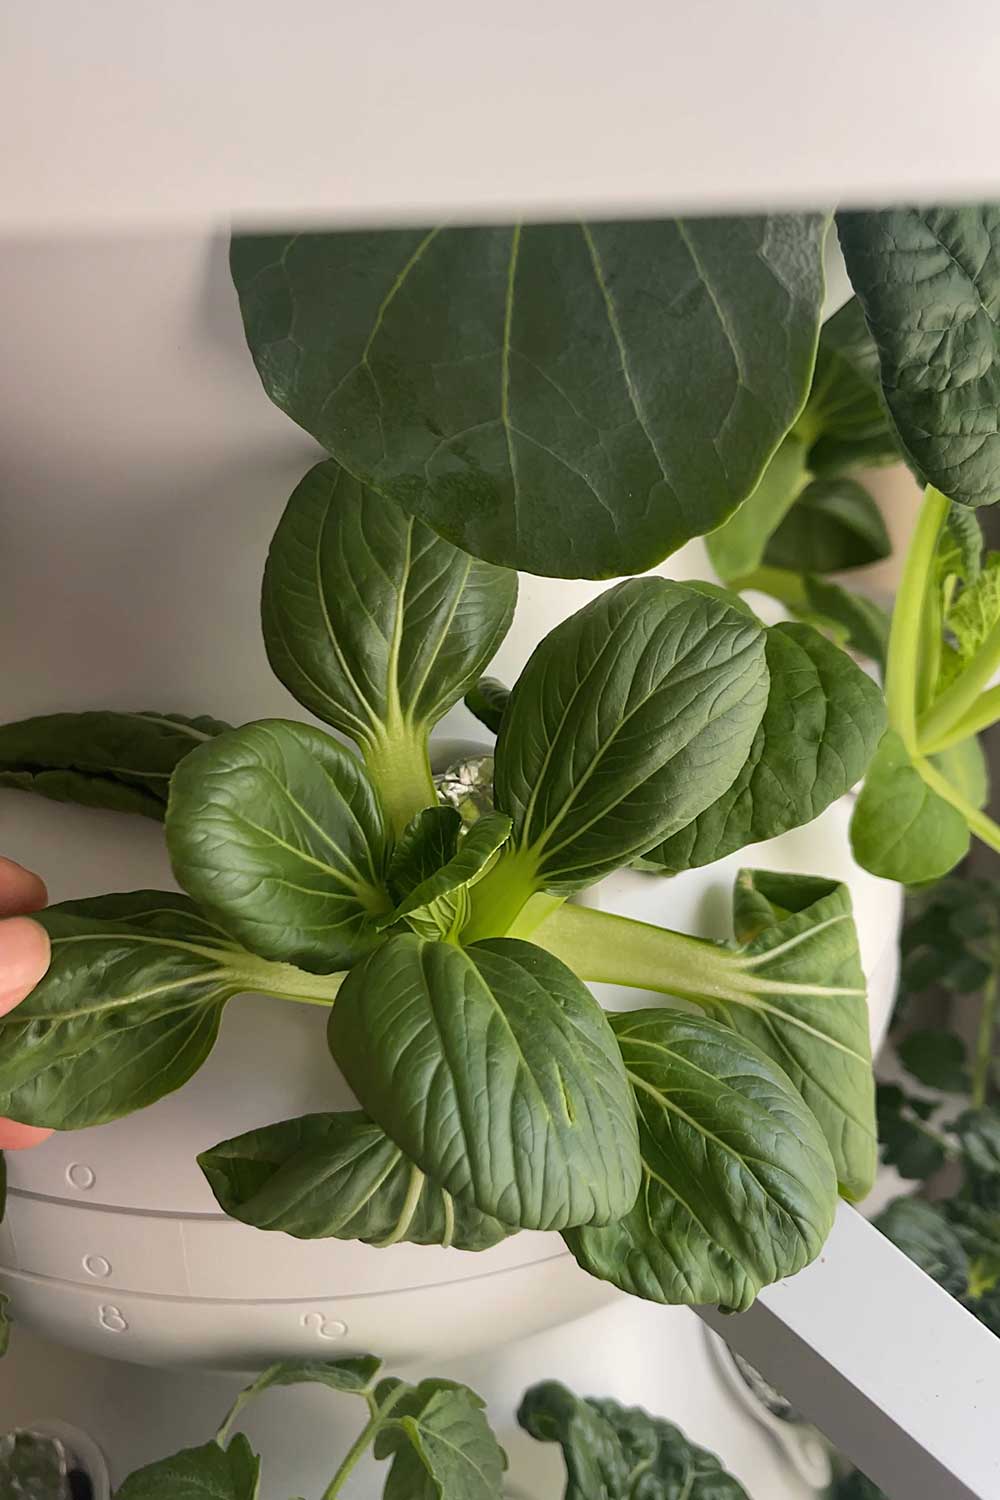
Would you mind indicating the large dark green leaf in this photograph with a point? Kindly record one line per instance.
(804, 1004)
(374, 622)
(834, 525)
(617, 1452)
(572, 399)
(929, 282)
(845, 418)
(128, 1010)
(101, 759)
(922, 1232)
(629, 720)
(276, 830)
(495, 1071)
(339, 1176)
(822, 724)
(210, 1472)
(738, 1188)
(440, 1442)
(901, 828)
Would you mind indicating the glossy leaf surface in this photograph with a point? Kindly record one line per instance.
(574, 399)
(822, 724)
(496, 1072)
(276, 830)
(121, 761)
(615, 1452)
(128, 1011)
(928, 280)
(371, 619)
(339, 1176)
(806, 1006)
(629, 720)
(738, 1187)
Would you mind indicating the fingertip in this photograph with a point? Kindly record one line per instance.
(24, 957)
(21, 890)
(15, 1137)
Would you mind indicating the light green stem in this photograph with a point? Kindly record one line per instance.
(904, 657)
(365, 1438)
(606, 949)
(984, 712)
(500, 899)
(286, 982)
(964, 693)
(984, 1039)
(399, 764)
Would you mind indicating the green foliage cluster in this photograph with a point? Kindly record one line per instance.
(440, 1445)
(576, 400)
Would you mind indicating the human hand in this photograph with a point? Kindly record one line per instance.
(24, 958)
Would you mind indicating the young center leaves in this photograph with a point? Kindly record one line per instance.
(122, 761)
(440, 1443)
(620, 1452)
(822, 724)
(928, 280)
(496, 1072)
(575, 400)
(129, 1008)
(738, 1187)
(278, 833)
(629, 720)
(374, 622)
(339, 1176)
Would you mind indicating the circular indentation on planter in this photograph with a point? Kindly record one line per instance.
(323, 1327)
(97, 1266)
(80, 1176)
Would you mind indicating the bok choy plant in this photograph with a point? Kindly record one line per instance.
(440, 1444)
(686, 1155)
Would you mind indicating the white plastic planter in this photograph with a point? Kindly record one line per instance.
(144, 475)
(113, 1242)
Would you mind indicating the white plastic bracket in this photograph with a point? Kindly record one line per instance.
(898, 1375)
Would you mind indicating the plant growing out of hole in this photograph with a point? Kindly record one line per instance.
(578, 400)
(685, 1157)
